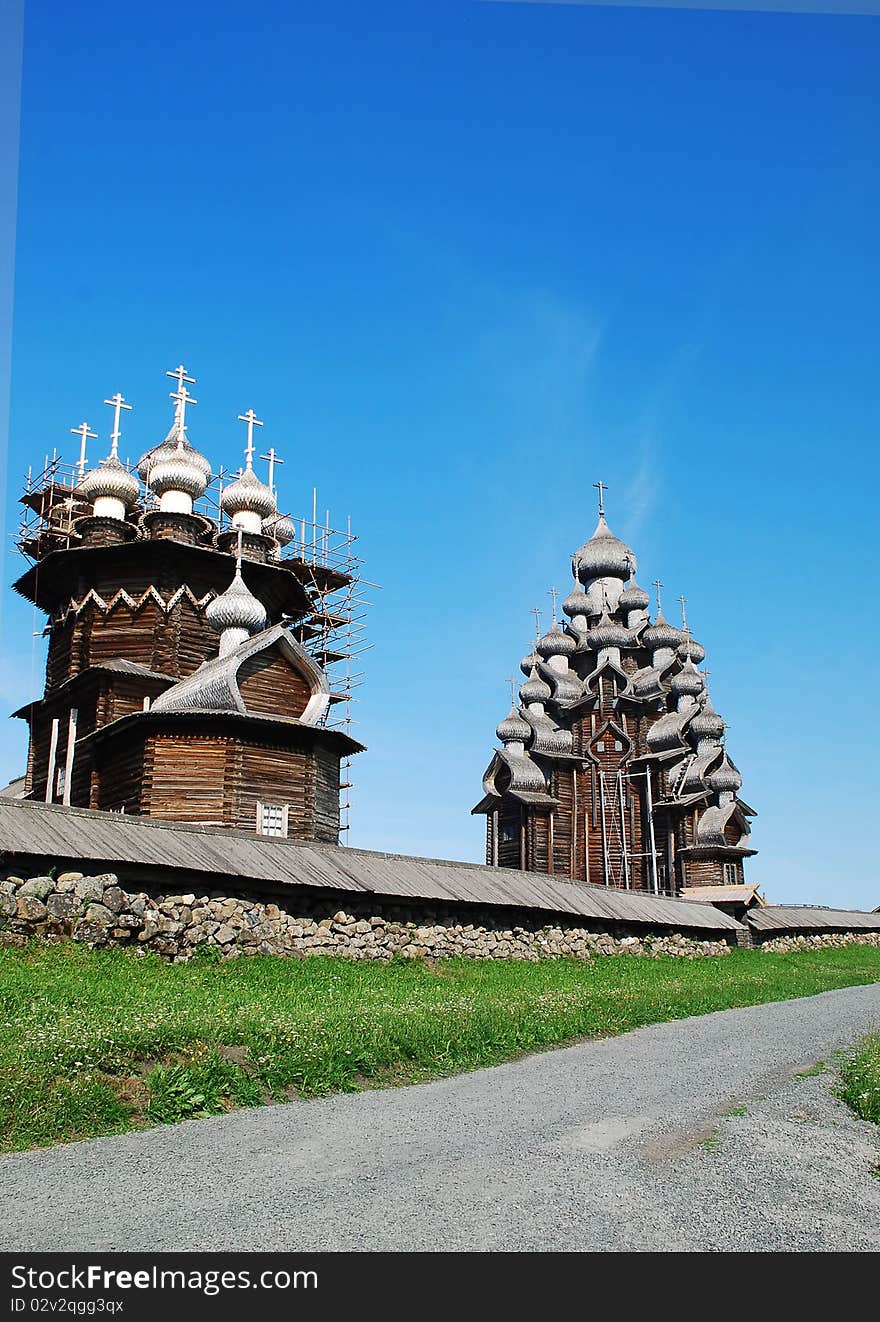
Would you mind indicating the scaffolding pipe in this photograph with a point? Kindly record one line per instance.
(605, 864)
(649, 799)
(623, 829)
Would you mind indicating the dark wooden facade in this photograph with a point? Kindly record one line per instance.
(612, 768)
(127, 605)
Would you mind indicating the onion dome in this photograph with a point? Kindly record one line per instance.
(688, 682)
(170, 447)
(176, 468)
(534, 689)
(661, 634)
(281, 528)
(690, 649)
(707, 724)
(726, 779)
(248, 495)
(608, 633)
(112, 481)
(665, 734)
(528, 663)
(513, 728)
(577, 602)
(603, 556)
(556, 643)
(236, 608)
(633, 598)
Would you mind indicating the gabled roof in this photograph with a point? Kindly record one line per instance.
(214, 686)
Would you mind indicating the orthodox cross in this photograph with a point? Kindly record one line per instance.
(553, 594)
(601, 488)
(536, 611)
(658, 585)
(682, 601)
(273, 460)
(512, 682)
(181, 395)
(117, 403)
(252, 421)
(82, 431)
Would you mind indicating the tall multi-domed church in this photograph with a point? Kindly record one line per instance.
(613, 767)
(178, 684)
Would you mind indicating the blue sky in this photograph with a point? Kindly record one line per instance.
(464, 259)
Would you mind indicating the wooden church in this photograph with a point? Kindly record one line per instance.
(613, 766)
(178, 683)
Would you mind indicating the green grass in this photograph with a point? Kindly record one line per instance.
(860, 1075)
(96, 1042)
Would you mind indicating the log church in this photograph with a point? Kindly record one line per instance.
(613, 766)
(179, 683)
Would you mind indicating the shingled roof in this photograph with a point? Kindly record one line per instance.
(148, 849)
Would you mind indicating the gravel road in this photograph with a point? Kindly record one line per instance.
(626, 1143)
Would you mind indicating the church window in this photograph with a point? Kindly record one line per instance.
(59, 790)
(731, 874)
(600, 747)
(272, 819)
(618, 746)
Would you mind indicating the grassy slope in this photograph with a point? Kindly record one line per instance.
(860, 1074)
(96, 1042)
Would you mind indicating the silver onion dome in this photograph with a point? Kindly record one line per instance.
(281, 528)
(513, 728)
(707, 724)
(725, 779)
(110, 479)
(175, 469)
(661, 634)
(167, 449)
(634, 598)
(528, 663)
(236, 608)
(577, 602)
(607, 633)
(556, 643)
(603, 556)
(691, 649)
(247, 494)
(534, 689)
(688, 682)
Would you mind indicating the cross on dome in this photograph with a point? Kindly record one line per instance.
(512, 682)
(536, 611)
(85, 435)
(181, 395)
(552, 594)
(117, 403)
(601, 488)
(682, 601)
(657, 586)
(252, 421)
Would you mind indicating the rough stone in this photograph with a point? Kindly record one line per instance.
(31, 909)
(91, 888)
(100, 915)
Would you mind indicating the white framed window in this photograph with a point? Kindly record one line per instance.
(272, 819)
(731, 874)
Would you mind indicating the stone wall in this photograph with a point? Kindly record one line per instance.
(101, 912)
(784, 945)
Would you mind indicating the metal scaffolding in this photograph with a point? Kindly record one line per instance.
(323, 559)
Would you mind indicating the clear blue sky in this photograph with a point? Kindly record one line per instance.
(464, 259)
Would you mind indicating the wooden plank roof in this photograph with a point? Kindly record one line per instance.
(795, 918)
(113, 840)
